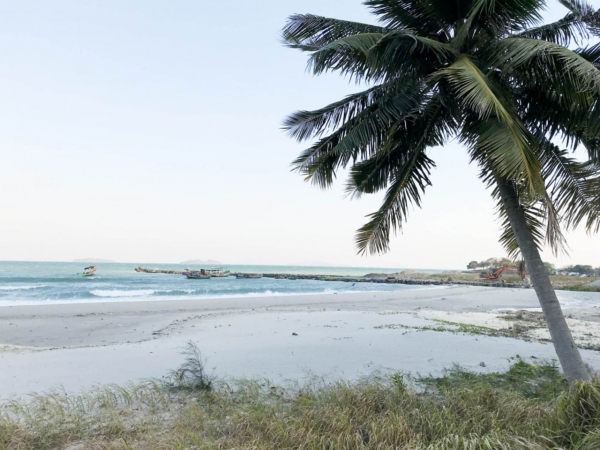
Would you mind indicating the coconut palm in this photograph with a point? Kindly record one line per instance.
(488, 73)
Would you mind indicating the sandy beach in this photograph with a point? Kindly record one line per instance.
(282, 338)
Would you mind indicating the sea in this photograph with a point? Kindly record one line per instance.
(40, 283)
(36, 283)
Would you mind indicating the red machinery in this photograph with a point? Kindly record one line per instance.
(497, 273)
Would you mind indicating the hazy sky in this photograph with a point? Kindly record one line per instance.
(150, 131)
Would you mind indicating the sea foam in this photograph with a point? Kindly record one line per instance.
(121, 293)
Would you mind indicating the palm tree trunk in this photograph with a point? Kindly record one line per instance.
(565, 347)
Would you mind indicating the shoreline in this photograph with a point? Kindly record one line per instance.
(142, 299)
(339, 336)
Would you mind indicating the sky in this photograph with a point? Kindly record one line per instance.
(150, 131)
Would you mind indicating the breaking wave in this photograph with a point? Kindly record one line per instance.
(20, 288)
(120, 293)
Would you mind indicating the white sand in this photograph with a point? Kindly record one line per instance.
(78, 346)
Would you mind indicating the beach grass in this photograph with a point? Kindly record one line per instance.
(527, 407)
(582, 288)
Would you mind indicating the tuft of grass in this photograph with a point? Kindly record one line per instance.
(191, 375)
(528, 407)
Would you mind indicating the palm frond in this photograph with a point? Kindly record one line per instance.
(573, 198)
(347, 55)
(588, 15)
(564, 31)
(405, 14)
(577, 6)
(361, 136)
(571, 28)
(372, 175)
(535, 222)
(404, 53)
(394, 98)
(309, 32)
(474, 88)
(377, 56)
(591, 54)
(554, 235)
(430, 127)
(542, 223)
(497, 18)
(509, 149)
(592, 145)
(358, 136)
(573, 187)
(497, 132)
(556, 92)
(409, 181)
(564, 65)
(556, 111)
(406, 168)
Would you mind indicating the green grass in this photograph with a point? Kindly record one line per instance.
(528, 407)
(581, 288)
(532, 381)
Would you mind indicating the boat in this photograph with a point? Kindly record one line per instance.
(218, 272)
(88, 272)
(197, 275)
(248, 275)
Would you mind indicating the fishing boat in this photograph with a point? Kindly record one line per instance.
(247, 276)
(197, 275)
(88, 272)
(218, 272)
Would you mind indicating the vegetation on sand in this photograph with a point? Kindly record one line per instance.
(582, 288)
(487, 73)
(528, 407)
(444, 326)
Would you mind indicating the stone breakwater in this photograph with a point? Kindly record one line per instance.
(396, 280)
(365, 279)
(171, 272)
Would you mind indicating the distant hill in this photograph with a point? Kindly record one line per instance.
(93, 260)
(208, 262)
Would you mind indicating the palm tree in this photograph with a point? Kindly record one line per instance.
(488, 73)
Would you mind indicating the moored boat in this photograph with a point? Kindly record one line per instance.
(197, 275)
(218, 273)
(88, 272)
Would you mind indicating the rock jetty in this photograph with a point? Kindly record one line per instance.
(394, 280)
(370, 278)
(171, 272)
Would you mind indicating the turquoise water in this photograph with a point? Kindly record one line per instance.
(53, 282)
